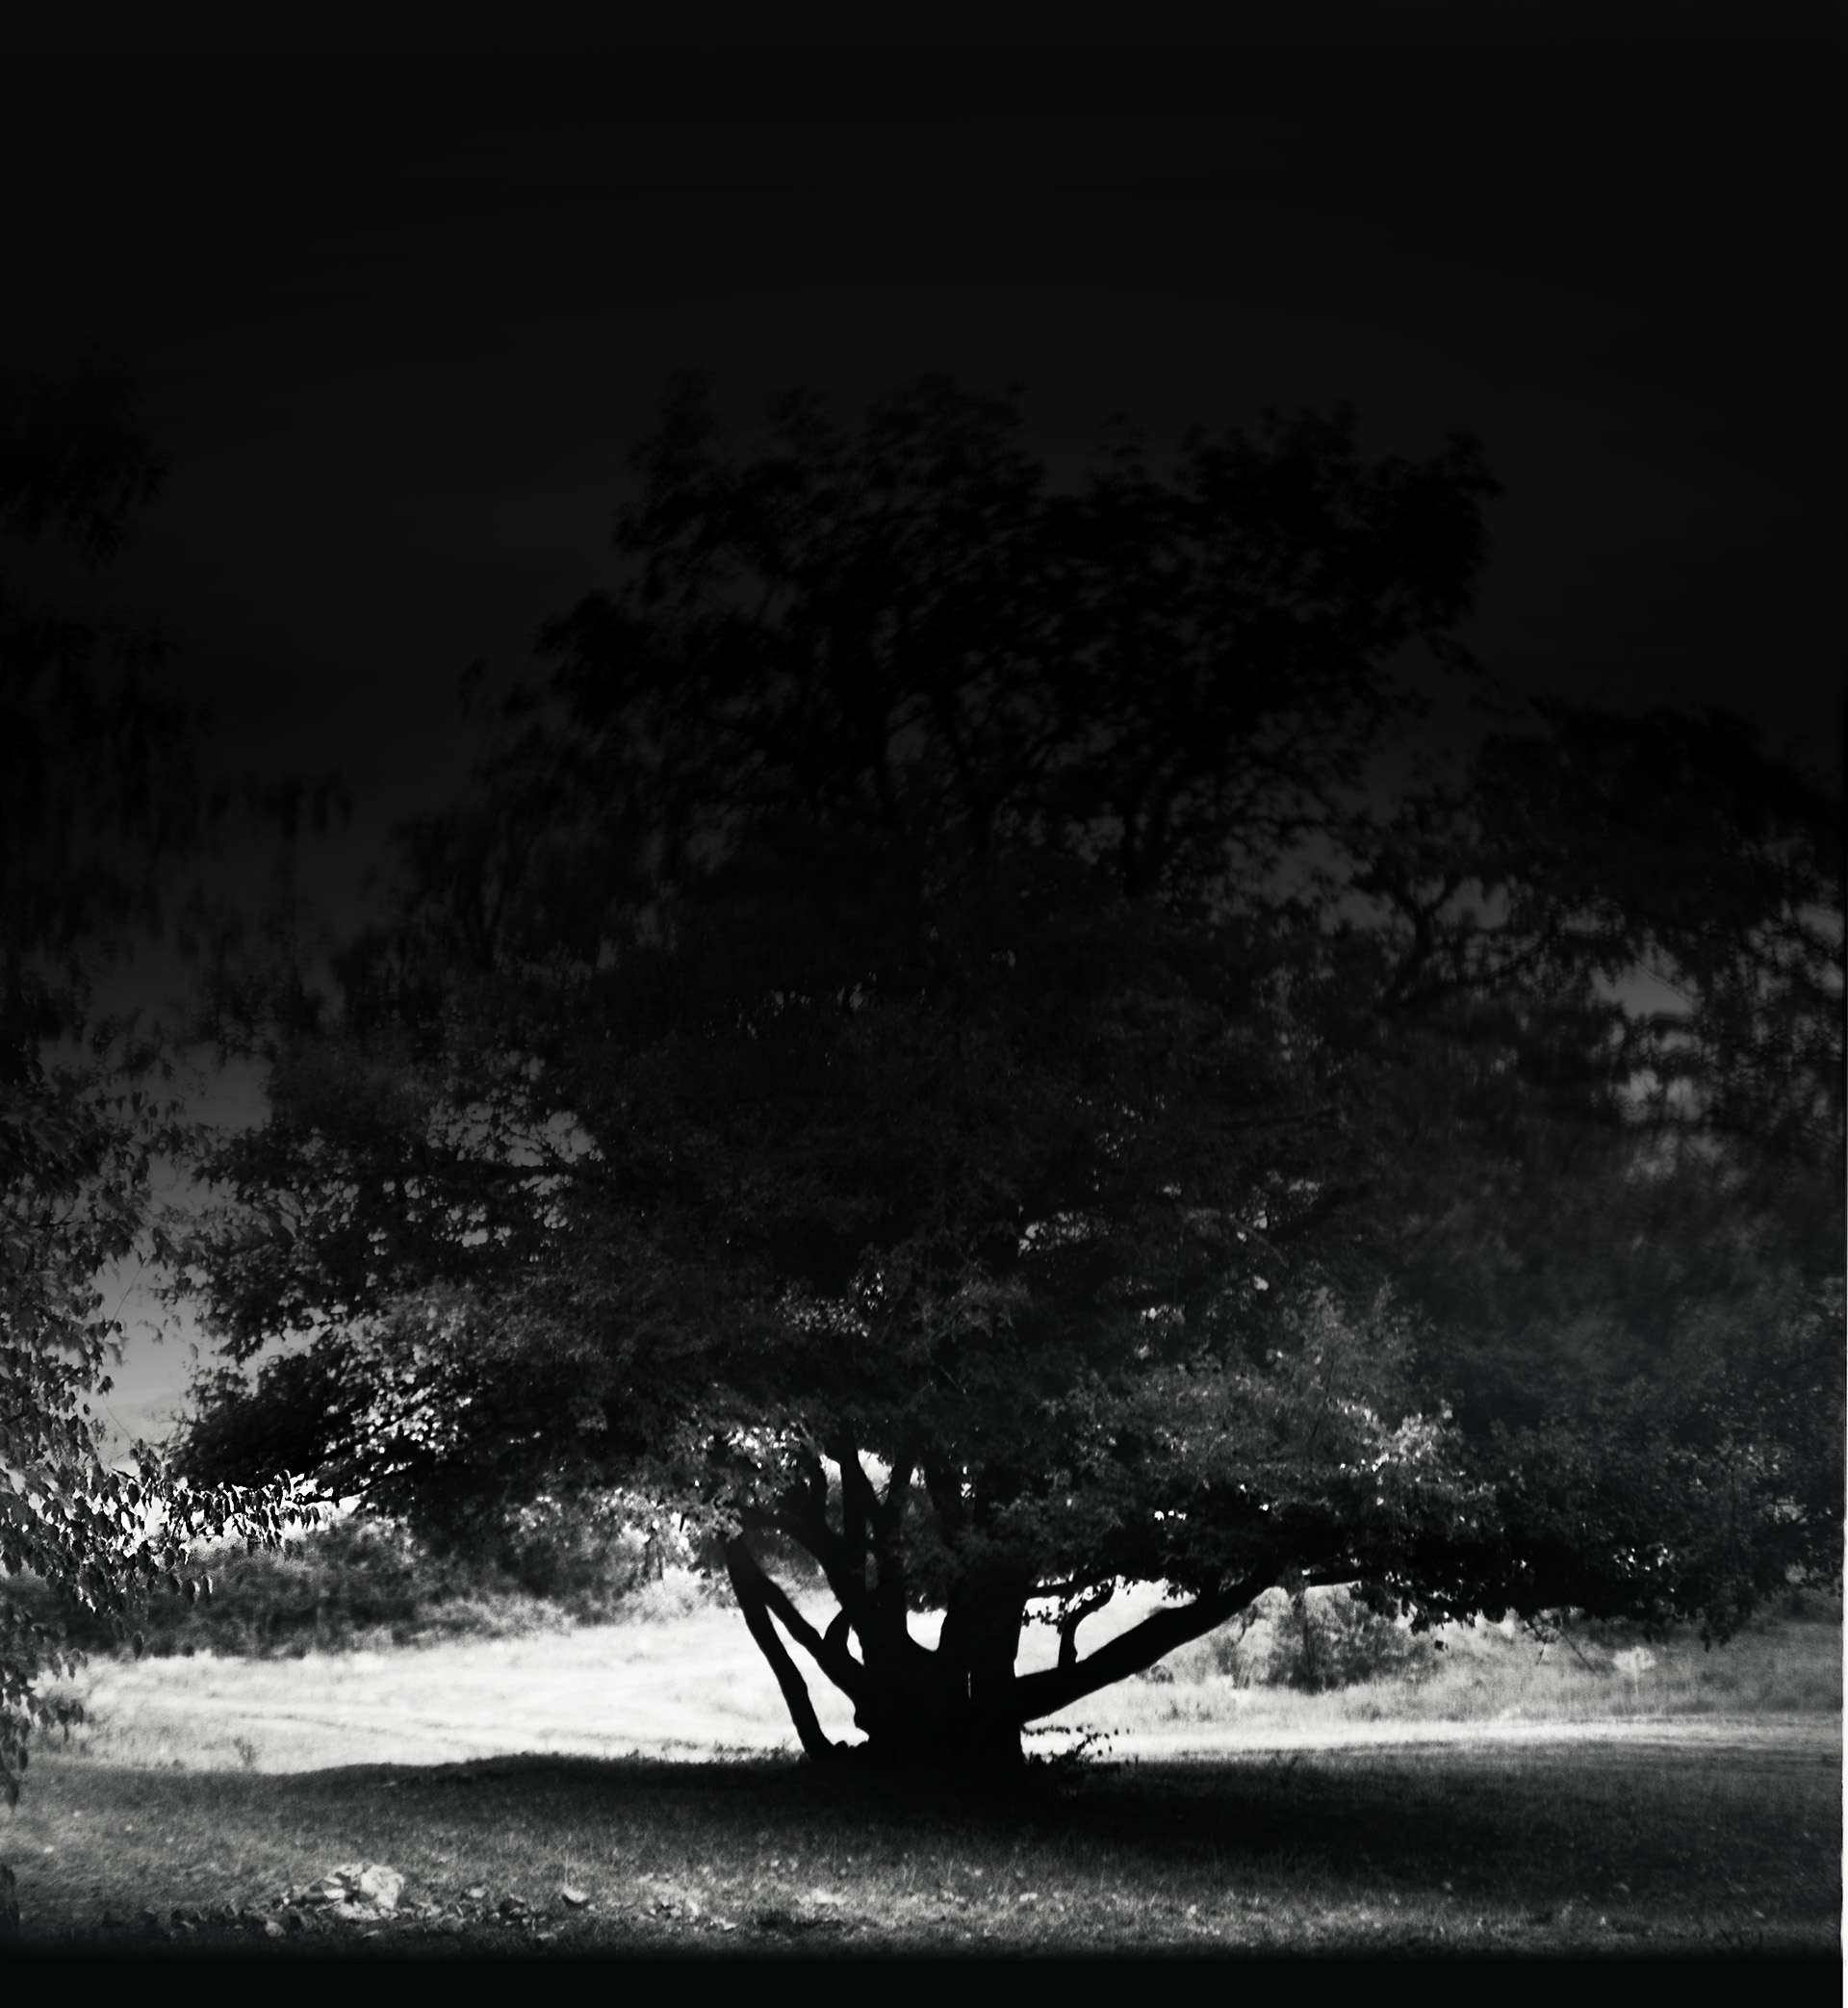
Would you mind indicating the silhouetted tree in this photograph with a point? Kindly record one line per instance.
(922, 1045)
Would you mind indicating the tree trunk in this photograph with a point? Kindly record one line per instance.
(961, 1707)
(938, 1711)
(953, 1708)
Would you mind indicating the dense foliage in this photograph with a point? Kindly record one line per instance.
(933, 1040)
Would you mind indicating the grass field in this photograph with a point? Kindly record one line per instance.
(1554, 1848)
(1557, 1803)
(683, 1680)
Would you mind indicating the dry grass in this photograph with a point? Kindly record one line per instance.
(1501, 1675)
(692, 1687)
(681, 1678)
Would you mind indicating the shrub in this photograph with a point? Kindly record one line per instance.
(369, 1581)
(1317, 1641)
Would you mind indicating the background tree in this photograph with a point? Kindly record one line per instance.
(100, 795)
(923, 1045)
(1639, 1305)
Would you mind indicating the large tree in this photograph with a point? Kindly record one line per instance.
(931, 1043)
(101, 795)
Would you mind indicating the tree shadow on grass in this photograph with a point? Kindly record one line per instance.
(1555, 1850)
(1549, 1828)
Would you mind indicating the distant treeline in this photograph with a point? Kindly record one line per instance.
(366, 1581)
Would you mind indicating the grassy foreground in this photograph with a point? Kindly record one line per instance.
(1499, 1798)
(1552, 1848)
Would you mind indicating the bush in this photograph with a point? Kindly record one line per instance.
(1318, 1641)
(366, 1580)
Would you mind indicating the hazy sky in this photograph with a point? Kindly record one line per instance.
(397, 320)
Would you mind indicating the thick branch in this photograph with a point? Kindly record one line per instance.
(829, 1653)
(859, 1503)
(1092, 1599)
(898, 1488)
(804, 1524)
(944, 1483)
(888, 1521)
(1037, 1694)
(748, 1584)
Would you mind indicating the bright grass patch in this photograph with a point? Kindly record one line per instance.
(684, 1680)
(1501, 1674)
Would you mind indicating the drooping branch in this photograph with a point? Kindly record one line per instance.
(1037, 1694)
(749, 1583)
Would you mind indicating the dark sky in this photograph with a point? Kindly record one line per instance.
(397, 318)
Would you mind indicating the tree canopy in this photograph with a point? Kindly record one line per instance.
(936, 1037)
(101, 793)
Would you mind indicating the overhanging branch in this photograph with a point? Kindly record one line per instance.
(1037, 1694)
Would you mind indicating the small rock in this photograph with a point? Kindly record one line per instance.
(380, 1886)
(476, 1893)
(271, 1929)
(577, 1898)
(362, 1890)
